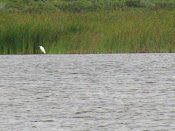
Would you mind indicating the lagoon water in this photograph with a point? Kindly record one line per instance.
(111, 92)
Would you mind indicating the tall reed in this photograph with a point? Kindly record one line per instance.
(89, 32)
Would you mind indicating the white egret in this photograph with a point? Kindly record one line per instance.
(42, 49)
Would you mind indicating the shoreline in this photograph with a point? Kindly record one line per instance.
(136, 31)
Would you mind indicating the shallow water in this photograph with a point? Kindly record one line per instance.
(87, 92)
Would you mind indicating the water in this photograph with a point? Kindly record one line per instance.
(119, 92)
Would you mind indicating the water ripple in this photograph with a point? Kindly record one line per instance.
(87, 92)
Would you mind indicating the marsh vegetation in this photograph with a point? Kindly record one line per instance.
(86, 26)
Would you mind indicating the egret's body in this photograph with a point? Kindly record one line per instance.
(42, 49)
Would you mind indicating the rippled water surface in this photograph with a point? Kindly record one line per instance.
(87, 92)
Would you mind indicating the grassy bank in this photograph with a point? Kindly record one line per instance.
(133, 30)
(33, 6)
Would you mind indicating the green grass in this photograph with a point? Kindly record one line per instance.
(128, 31)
